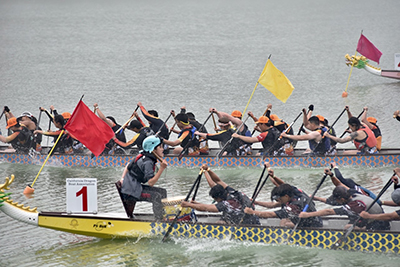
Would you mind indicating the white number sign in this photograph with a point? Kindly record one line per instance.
(82, 195)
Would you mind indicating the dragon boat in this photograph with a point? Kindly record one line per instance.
(386, 157)
(114, 225)
(361, 62)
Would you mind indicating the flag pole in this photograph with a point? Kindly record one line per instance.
(255, 87)
(345, 94)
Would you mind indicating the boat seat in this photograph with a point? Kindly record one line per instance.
(395, 225)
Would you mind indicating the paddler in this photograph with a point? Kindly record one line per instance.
(242, 129)
(141, 131)
(362, 137)
(21, 138)
(319, 145)
(338, 180)
(353, 204)
(268, 137)
(138, 172)
(229, 201)
(186, 136)
(291, 200)
(371, 123)
(395, 202)
(223, 136)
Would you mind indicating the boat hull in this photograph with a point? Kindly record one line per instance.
(109, 226)
(103, 227)
(382, 159)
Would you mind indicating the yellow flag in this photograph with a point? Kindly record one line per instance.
(276, 82)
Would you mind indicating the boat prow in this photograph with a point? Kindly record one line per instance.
(361, 62)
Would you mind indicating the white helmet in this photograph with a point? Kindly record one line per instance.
(150, 143)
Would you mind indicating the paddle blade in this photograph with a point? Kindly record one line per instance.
(338, 243)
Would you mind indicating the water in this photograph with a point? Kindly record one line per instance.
(200, 54)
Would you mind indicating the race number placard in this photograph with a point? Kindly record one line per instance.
(81, 195)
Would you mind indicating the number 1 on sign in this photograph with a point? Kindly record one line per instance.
(81, 195)
(83, 192)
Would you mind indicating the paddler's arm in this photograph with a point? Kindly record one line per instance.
(382, 216)
(124, 173)
(262, 214)
(204, 135)
(200, 206)
(324, 212)
(177, 141)
(163, 166)
(47, 113)
(252, 116)
(306, 117)
(275, 180)
(101, 115)
(9, 138)
(123, 144)
(348, 112)
(247, 139)
(346, 139)
(321, 199)
(268, 204)
(304, 137)
(212, 177)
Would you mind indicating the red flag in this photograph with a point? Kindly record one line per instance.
(367, 49)
(89, 129)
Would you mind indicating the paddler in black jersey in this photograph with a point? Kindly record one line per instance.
(21, 138)
(353, 204)
(319, 145)
(223, 136)
(186, 136)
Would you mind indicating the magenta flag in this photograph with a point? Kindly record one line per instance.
(368, 50)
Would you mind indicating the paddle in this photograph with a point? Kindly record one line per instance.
(265, 112)
(280, 137)
(128, 121)
(257, 191)
(306, 206)
(165, 123)
(351, 228)
(29, 188)
(49, 128)
(258, 183)
(230, 140)
(32, 151)
(345, 131)
(172, 128)
(310, 108)
(184, 150)
(197, 181)
(215, 124)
